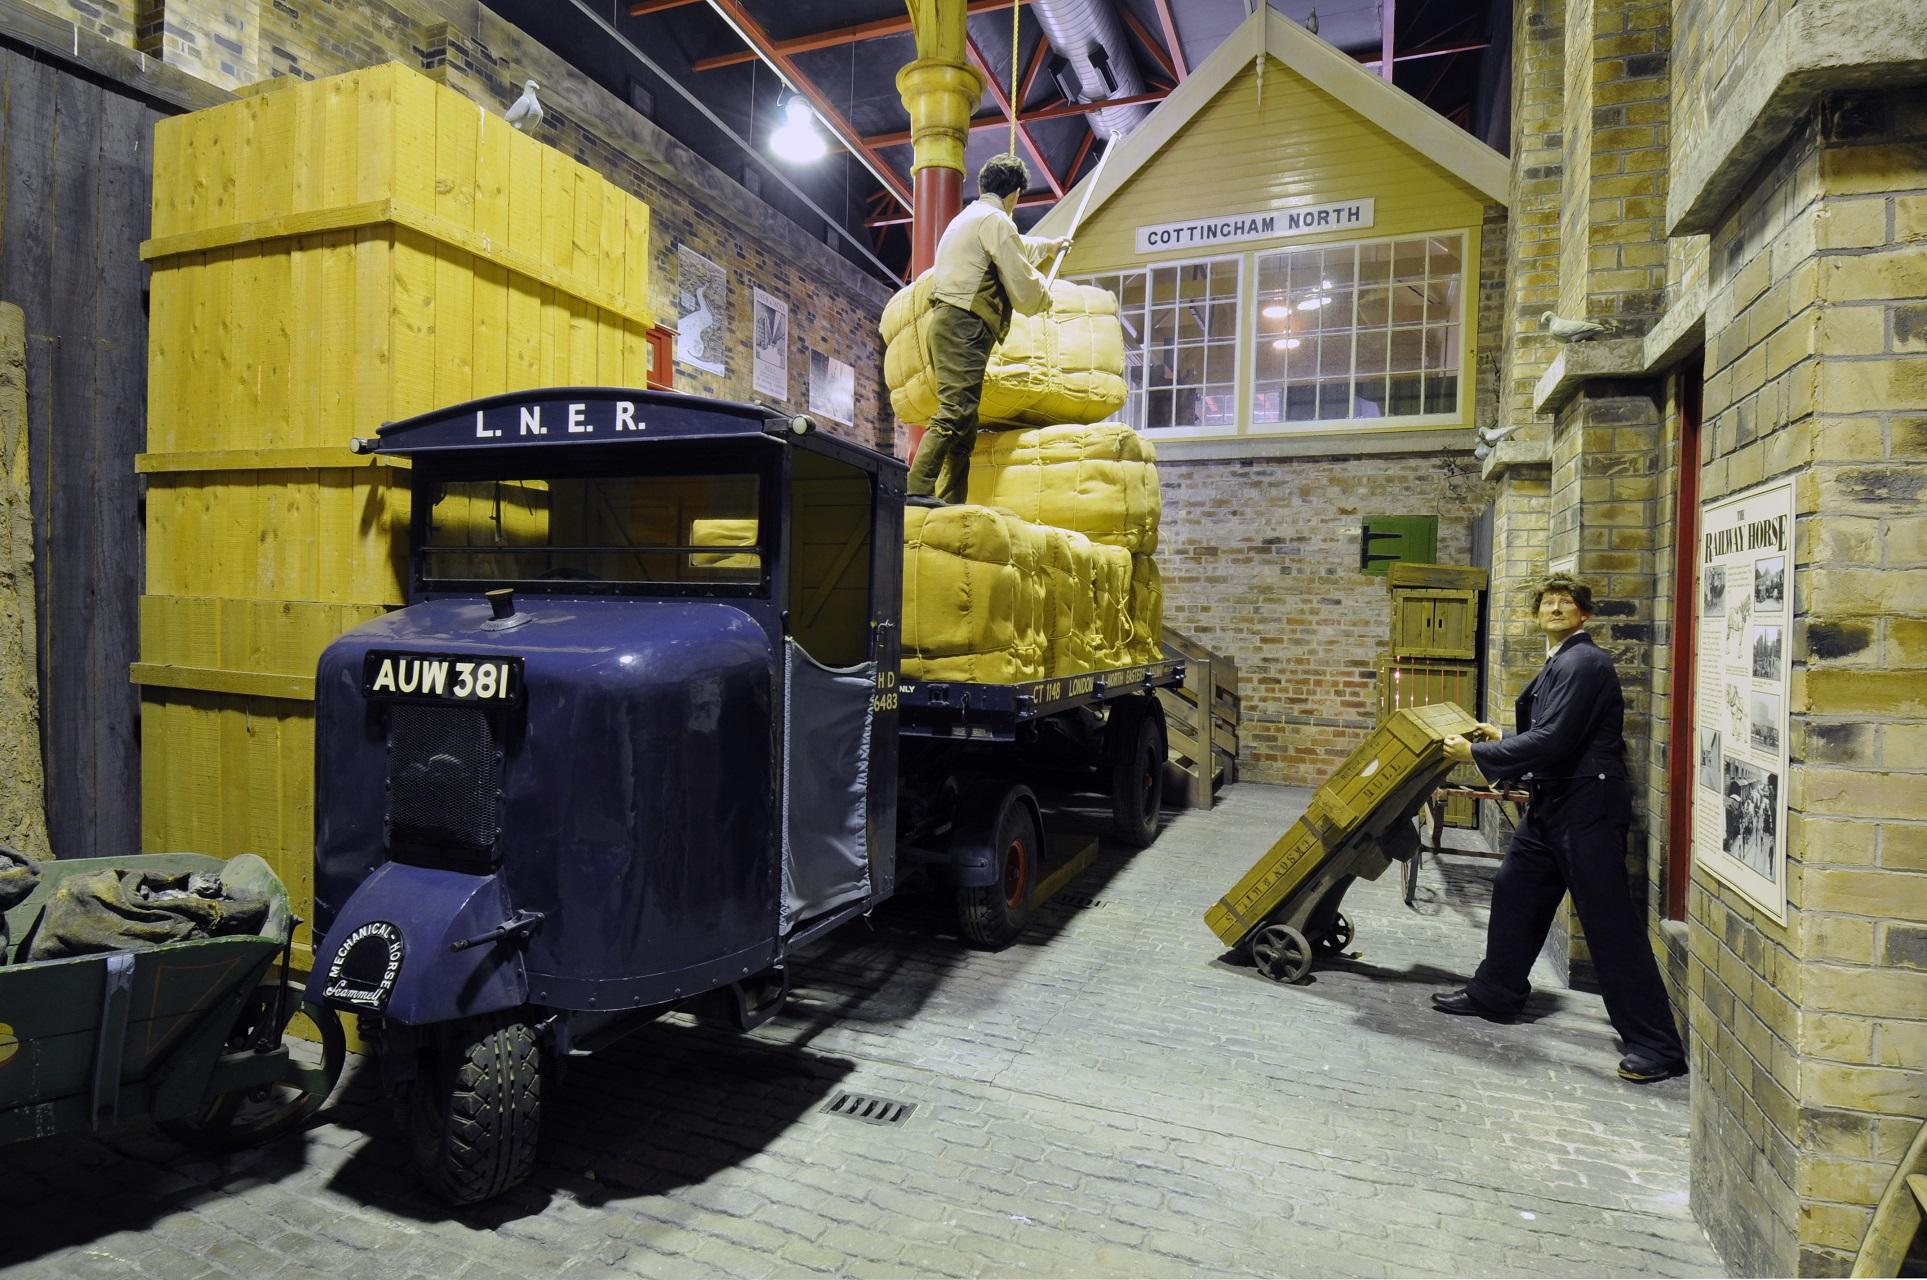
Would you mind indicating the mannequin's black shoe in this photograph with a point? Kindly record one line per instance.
(1461, 1003)
(1646, 1068)
(923, 500)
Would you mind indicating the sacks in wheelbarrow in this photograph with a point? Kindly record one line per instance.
(189, 1034)
(1357, 823)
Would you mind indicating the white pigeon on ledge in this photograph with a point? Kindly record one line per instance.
(1488, 439)
(1564, 330)
(527, 112)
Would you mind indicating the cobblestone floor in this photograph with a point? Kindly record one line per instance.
(1107, 1098)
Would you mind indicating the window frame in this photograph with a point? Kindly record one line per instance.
(1250, 426)
(1245, 427)
(1238, 343)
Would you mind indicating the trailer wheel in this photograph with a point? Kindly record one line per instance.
(1138, 753)
(248, 1117)
(476, 1109)
(992, 916)
(1281, 953)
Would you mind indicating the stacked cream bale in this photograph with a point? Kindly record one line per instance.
(1047, 570)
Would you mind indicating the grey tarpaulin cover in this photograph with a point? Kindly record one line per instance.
(826, 722)
(127, 909)
(18, 876)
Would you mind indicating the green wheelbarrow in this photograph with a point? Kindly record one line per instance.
(191, 1035)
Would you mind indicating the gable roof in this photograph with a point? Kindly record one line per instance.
(1327, 69)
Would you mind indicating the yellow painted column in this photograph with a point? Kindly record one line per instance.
(940, 90)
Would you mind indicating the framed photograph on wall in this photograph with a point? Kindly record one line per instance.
(832, 388)
(1740, 703)
(770, 345)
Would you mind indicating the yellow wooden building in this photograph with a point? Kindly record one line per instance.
(1296, 248)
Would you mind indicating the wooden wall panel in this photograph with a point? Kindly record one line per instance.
(75, 163)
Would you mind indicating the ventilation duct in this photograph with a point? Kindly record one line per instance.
(1088, 33)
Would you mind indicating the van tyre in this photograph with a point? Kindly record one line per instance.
(992, 915)
(477, 1109)
(1138, 753)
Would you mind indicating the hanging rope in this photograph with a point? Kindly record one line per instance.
(1016, 37)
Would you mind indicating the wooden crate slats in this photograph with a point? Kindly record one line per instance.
(327, 256)
(1380, 781)
(1202, 718)
(341, 534)
(272, 637)
(376, 377)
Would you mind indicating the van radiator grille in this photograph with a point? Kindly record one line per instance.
(442, 770)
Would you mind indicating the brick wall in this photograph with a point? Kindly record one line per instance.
(1811, 1037)
(1518, 467)
(1260, 562)
(113, 20)
(1575, 213)
(834, 305)
(1613, 252)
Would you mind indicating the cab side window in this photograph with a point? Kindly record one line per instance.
(829, 583)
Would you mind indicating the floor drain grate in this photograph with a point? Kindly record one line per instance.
(1078, 901)
(870, 1110)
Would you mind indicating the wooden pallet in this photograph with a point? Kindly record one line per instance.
(1201, 719)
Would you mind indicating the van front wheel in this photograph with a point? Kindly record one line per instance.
(477, 1108)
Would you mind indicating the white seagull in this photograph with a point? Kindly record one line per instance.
(527, 112)
(1570, 330)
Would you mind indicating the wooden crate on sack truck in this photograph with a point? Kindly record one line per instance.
(1357, 822)
(327, 256)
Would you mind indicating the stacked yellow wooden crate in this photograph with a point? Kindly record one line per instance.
(328, 256)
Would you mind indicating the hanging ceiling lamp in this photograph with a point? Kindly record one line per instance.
(797, 140)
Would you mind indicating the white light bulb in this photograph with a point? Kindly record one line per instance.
(796, 139)
(1276, 311)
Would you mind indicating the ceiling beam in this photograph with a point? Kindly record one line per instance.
(1171, 42)
(755, 37)
(901, 219)
(608, 27)
(1150, 42)
(1037, 56)
(1387, 21)
(1058, 110)
(835, 38)
(1470, 46)
(1001, 96)
(1083, 149)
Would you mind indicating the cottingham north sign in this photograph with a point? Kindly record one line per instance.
(1271, 224)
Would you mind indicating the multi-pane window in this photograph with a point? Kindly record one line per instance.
(1360, 331)
(1180, 342)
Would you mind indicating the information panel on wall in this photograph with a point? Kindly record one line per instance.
(1740, 692)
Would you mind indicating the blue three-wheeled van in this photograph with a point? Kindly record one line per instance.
(638, 735)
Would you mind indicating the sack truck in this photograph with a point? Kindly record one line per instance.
(639, 734)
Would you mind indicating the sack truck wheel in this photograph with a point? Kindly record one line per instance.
(1280, 952)
(477, 1108)
(1137, 777)
(992, 916)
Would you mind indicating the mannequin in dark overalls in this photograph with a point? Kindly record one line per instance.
(984, 271)
(1570, 752)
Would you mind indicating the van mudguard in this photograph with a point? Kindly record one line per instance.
(393, 949)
